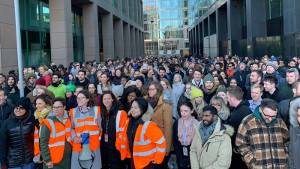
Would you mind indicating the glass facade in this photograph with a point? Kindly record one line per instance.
(78, 47)
(35, 32)
(170, 23)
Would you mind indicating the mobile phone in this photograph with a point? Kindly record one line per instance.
(133, 82)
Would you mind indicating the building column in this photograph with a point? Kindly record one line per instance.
(133, 44)
(137, 42)
(108, 36)
(127, 41)
(141, 44)
(91, 32)
(8, 45)
(61, 35)
(119, 38)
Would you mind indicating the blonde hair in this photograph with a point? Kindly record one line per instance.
(261, 88)
(199, 108)
(167, 83)
(178, 76)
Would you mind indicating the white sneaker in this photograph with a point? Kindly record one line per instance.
(170, 165)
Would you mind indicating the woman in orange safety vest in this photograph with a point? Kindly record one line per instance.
(142, 140)
(86, 128)
(55, 137)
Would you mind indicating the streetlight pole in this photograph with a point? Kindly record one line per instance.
(152, 21)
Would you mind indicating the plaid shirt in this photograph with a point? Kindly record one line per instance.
(254, 105)
(255, 140)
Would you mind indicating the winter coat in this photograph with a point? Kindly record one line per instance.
(47, 76)
(71, 103)
(17, 141)
(162, 116)
(59, 91)
(13, 92)
(44, 144)
(208, 94)
(283, 111)
(278, 95)
(276, 74)
(116, 80)
(176, 93)
(255, 139)
(83, 84)
(5, 110)
(238, 114)
(216, 152)
(286, 89)
(294, 153)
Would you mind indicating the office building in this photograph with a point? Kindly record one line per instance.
(63, 31)
(251, 28)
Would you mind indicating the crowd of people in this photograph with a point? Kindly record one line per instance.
(225, 112)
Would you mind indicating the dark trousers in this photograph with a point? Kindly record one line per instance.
(164, 164)
(237, 162)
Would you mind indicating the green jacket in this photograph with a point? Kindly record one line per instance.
(44, 142)
(59, 91)
(286, 89)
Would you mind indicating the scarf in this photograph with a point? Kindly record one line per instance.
(153, 102)
(84, 110)
(207, 131)
(190, 132)
(42, 114)
(187, 96)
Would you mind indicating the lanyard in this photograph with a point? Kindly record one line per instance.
(183, 132)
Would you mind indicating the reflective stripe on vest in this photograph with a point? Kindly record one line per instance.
(57, 144)
(53, 128)
(118, 128)
(142, 142)
(36, 140)
(160, 141)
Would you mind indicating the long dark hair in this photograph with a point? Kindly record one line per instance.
(114, 107)
(130, 89)
(221, 80)
(187, 103)
(89, 96)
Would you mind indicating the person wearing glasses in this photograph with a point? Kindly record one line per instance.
(86, 127)
(55, 137)
(16, 138)
(162, 116)
(262, 138)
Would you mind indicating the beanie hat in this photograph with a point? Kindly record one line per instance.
(23, 102)
(41, 81)
(118, 89)
(195, 92)
(221, 88)
(208, 77)
(70, 87)
(61, 66)
(270, 63)
(141, 79)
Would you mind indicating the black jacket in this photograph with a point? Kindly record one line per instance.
(183, 161)
(278, 96)
(83, 84)
(71, 103)
(17, 140)
(5, 110)
(238, 114)
(13, 92)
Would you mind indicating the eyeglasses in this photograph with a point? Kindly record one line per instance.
(57, 107)
(268, 116)
(81, 98)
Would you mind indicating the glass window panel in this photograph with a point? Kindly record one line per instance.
(170, 14)
(170, 24)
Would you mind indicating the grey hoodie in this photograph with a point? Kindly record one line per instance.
(294, 152)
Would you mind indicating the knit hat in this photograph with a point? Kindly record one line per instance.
(23, 102)
(270, 63)
(221, 88)
(70, 87)
(208, 77)
(195, 92)
(41, 81)
(61, 66)
(118, 89)
(141, 79)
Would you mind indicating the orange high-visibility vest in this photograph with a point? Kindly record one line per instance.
(59, 133)
(149, 144)
(86, 123)
(121, 119)
(36, 141)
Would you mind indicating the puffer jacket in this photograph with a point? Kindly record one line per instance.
(294, 152)
(216, 152)
(5, 110)
(17, 141)
(263, 145)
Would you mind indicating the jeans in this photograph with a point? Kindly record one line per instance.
(28, 166)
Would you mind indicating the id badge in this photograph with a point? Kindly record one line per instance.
(185, 151)
(106, 138)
